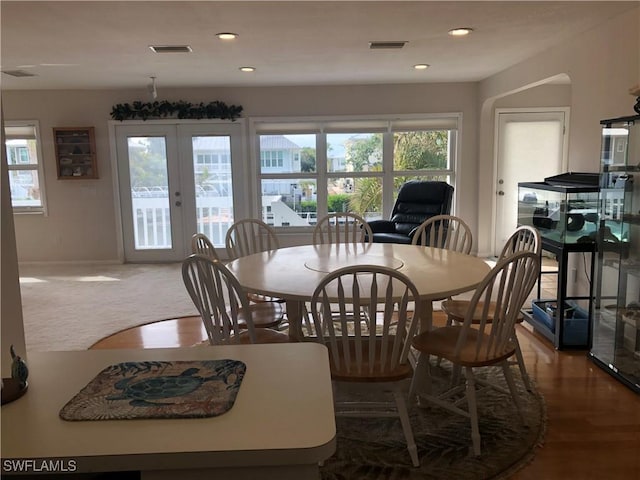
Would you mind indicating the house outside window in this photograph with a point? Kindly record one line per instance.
(349, 166)
(24, 164)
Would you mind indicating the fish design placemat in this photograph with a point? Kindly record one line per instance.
(177, 389)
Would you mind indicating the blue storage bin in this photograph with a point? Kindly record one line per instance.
(576, 326)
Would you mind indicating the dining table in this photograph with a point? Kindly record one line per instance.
(292, 273)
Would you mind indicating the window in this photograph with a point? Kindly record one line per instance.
(24, 163)
(310, 168)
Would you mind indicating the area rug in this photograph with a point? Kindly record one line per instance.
(375, 449)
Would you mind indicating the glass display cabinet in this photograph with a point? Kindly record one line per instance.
(564, 209)
(616, 303)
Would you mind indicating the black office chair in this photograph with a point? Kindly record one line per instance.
(417, 201)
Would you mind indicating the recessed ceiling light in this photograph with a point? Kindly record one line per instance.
(247, 69)
(227, 35)
(460, 31)
(421, 66)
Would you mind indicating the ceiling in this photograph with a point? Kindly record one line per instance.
(105, 45)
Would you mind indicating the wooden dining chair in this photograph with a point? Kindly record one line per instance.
(342, 227)
(473, 345)
(373, 357)
(523, 239)
(201, 244)
(265, 314)
(444, 231)
(227, 315)
(249, 236)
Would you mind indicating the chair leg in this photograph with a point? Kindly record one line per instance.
(455, 374)
(523, 370)
(512, 388)
(406, 427)
(448, 323)
(421, 380)
(473, 410)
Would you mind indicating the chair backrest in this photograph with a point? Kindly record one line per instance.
(249, 236)
(499, 298)
(201, 244)
(349, 298)
(419, 200)
(342, 228)
(444, 231)
(523, 239)
(218, 297)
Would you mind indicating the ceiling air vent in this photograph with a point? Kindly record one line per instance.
(19, 73)
(171, 48)
(386, 45)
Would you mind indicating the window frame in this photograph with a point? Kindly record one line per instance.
(387, 125)
(38, 166)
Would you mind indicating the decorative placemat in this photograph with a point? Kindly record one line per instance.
(180, 389)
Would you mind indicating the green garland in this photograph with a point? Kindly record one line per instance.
(180, 109)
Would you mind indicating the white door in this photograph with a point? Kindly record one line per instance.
(175, 180)
(530, 146)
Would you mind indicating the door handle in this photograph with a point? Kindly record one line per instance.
(178, 203)
(501, 193)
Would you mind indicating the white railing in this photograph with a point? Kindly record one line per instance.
(214, 217)
(152, 220)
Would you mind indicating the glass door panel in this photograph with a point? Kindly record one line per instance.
(150, 193)
(213, 185)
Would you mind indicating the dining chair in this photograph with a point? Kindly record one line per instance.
(471, 345)
(374, 357)
(227, 315)
(444, 231)
(523, 239)
(249, 236)
(342, 227)
(265, 314)
(201, 244)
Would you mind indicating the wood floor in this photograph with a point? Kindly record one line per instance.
(593, 430)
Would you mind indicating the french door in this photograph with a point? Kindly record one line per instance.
(530, 145)
(176, 180)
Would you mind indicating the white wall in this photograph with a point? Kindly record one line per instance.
(602, 64)
(81, 225)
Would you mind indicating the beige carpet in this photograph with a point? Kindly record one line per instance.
(70, 307)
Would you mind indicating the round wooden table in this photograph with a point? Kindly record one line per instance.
(293, 273)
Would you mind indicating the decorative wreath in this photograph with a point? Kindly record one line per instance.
(180, 109)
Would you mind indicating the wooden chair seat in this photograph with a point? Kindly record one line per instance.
(257, 298)
(457, 309)
(354, 371)
(262, 335)
(442, 342)
(264, 315)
